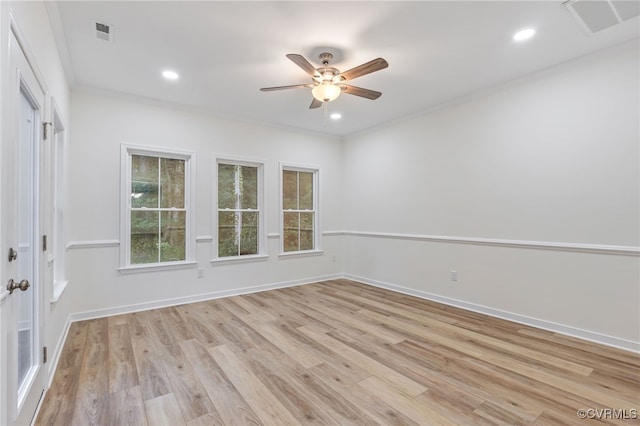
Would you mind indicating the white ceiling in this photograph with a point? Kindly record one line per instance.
(438, 51)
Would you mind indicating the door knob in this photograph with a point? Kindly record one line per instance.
(22, 285)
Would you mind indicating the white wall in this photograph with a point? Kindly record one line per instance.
(101, 123)
(553, 159)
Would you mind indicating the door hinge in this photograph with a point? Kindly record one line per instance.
(45, 133)
(44, 355)
(44, 243)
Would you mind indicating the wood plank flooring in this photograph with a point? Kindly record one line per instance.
(333, 353)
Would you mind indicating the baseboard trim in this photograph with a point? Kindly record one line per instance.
(521, 319)
(522, 244)
(101, 313)
(591, 336)
(53, 360)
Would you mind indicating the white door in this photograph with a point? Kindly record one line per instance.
(21, 248)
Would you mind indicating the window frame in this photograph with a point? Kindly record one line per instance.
(262, 209)
(58, 163)
(317, 229)
(126, 153)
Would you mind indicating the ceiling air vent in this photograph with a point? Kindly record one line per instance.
(102, 31)
(596, 15)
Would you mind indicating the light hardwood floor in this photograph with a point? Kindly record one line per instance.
(332, 353)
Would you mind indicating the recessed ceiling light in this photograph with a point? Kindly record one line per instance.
(336, 116)
(524, 34)
(170, 75)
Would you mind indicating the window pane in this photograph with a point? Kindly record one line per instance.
(144, 237)
(248, 187)
(291, 226)
(248, 233)
(226, 186)
(173, 227)
(227, 235)
(306, 231)
(306, 191)
(289, 190)
(171, 183)
(144, 181)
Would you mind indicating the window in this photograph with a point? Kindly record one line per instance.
(157, 220)
(299, 209)
(239, 214)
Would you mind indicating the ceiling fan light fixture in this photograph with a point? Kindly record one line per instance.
(328, 82)
(326, 92)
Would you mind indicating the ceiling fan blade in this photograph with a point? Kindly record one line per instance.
(315, 104)
(300, 61)
(364, 69)
(294, 86)
(359, 91)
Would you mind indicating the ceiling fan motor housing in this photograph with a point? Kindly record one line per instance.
(328, 74)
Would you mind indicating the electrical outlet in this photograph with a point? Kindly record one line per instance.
(200, 273)
(454, 276)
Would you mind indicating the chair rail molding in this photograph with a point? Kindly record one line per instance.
(72, 245)
(523, 244)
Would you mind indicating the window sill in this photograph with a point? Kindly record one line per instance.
(306, 253)
(58, 289)
(239, 259)
(135, 269)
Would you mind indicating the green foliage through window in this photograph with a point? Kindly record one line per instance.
(238, 210)
(158, 213)
(298, 210)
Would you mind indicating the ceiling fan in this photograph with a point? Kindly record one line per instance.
(328, 82)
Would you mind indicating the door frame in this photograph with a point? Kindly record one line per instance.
(9, 85)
